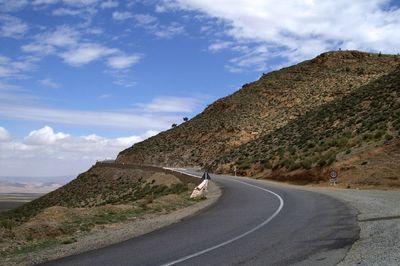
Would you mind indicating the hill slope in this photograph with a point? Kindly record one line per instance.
(107, 194)
(104, 184)
(358, 133)
(260, 108)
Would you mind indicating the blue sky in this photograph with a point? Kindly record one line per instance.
(81, 80)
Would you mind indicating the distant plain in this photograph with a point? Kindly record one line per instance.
(13, 200)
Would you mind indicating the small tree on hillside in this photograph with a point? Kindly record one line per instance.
(185, 119)
(174, 125)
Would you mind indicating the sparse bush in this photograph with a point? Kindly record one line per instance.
(321, 162)
(378, 134)
(245, 164)
(331, 160)
(388, 137)
(306, 164)
(267, 165)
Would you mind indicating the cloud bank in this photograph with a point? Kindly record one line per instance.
(296, 30)
(44, 152)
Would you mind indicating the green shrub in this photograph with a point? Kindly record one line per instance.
(246, 164)
(378, 134)
(321, 162)
(331, 160)
(267, 165)
(306, 164)
(388, 137)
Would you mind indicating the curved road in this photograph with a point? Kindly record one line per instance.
(253, 223)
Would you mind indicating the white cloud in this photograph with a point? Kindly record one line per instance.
(65, 42)
(151, 24)
(75, 49)
(109, 4)
(121, 15)
(125, 82)
(44, 2)
(66, 12)
(11, 68)
(95, 31)
(170, 104)
(80, 2)
(105, 96)
(10, 93)
(74, 3)
(12, 27)
(38, 48)
(123, 61)
(86, 53)
(168, 31)
(219, 45)
(300, 29)
(49, 83)
(145, 19)
(14, 5)
(4, 134)
(62, 36)
(44, 136)
(46, 153)
(123, 120)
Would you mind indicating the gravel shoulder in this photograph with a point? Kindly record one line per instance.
(379, 221)
(114, 233)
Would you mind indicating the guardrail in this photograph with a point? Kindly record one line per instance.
(184, 177)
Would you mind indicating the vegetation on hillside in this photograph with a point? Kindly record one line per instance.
(370, 115)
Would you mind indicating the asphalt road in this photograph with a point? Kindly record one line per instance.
(253, 223)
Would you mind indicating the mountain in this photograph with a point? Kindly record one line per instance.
(260, 108)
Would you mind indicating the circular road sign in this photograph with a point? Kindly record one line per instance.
(333, 174)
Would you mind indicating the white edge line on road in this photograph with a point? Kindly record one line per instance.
(239, 236)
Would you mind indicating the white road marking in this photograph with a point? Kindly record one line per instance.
(281, 203)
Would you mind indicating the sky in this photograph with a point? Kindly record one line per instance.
(81, 80)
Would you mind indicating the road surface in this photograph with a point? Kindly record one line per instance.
(253, 223)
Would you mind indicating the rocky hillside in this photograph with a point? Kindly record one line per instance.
(357, 134)
(261, 107)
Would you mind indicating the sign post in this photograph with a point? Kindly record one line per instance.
(333, 177)
(235, 170)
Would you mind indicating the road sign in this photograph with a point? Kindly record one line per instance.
(333, 176)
